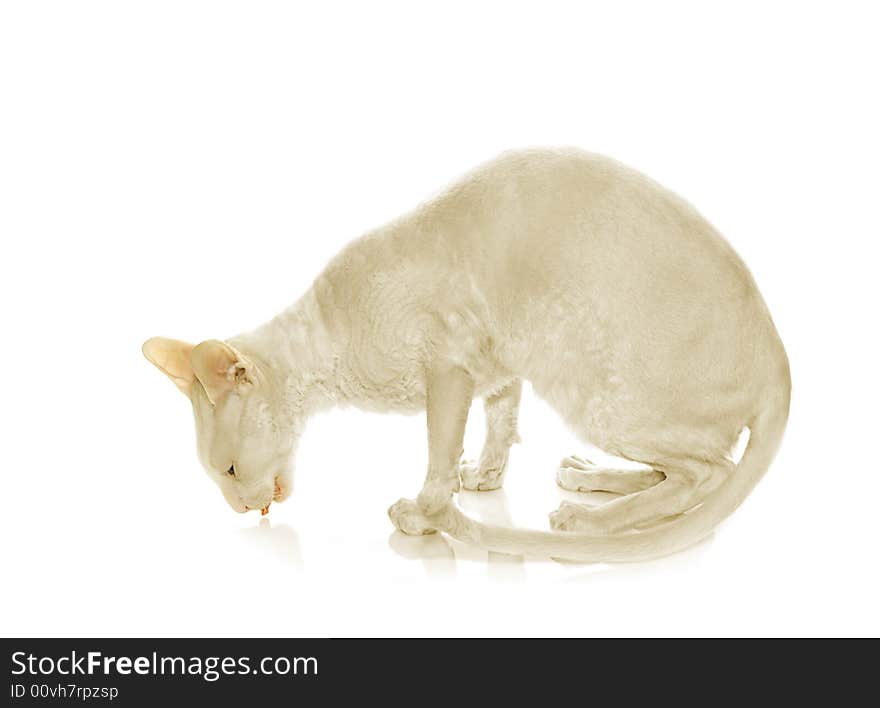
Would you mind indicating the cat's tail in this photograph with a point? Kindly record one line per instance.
(766, 431)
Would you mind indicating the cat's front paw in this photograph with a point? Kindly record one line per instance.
(484, 476)
(408, 518)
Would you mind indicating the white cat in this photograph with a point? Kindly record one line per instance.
(628, 313)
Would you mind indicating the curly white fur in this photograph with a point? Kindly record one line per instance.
(627, 312)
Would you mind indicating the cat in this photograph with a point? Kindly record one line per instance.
(621, 305)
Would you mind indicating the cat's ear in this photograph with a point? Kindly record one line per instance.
(172, 358)
(219, 368)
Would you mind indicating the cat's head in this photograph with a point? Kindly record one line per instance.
(245, 441)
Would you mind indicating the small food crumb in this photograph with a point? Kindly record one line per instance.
(264, 510)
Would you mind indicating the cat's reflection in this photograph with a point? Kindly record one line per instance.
(438, 554)
(279, 541)
(493, 508)
(434, 550)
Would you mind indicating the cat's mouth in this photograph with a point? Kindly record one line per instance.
(279, 493)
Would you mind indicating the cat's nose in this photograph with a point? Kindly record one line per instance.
(260, 499)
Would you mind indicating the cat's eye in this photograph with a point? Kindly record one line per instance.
(231, 471)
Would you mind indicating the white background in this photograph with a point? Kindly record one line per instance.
(186, 169)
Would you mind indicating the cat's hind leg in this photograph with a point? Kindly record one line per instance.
(685, 485)
(502, 410)
(579, 475)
